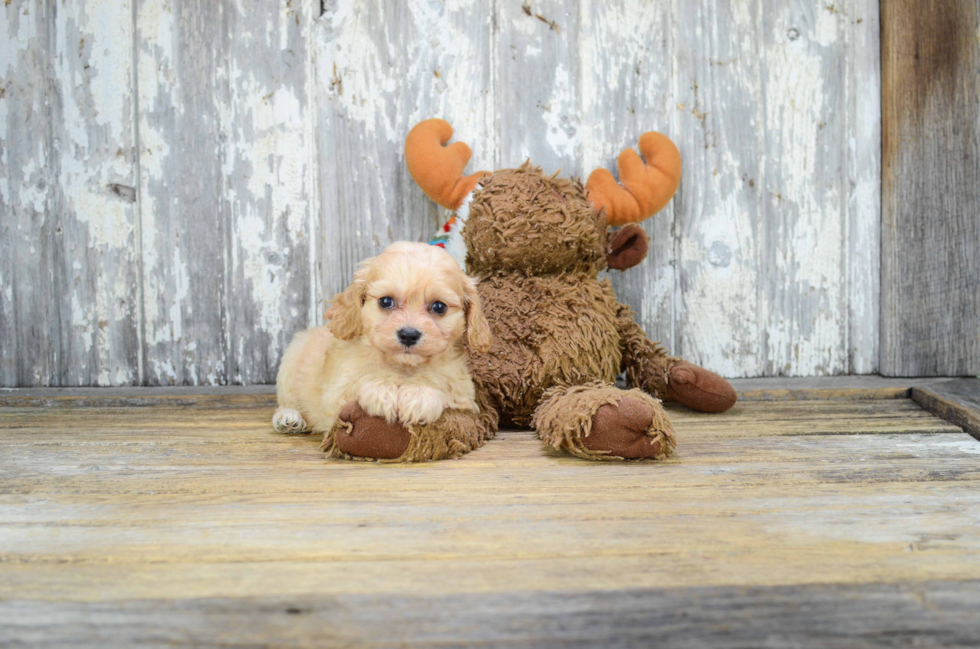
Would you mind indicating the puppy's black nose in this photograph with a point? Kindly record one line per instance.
(408, 336)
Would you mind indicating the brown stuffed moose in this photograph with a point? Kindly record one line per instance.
(537, 244)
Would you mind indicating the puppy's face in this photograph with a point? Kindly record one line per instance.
(412, 302)
(414, 305)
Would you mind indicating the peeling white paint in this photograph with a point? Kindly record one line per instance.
(66, 110)
(768, 136)
(562, 132)
(766, 263)
(809, 339)
(864, 176)
(110, 221)
(827, 27)
(361, 71)
(33, 194)
(716, 333)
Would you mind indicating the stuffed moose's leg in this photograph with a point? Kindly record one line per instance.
(699, 389)
(649, 368)
(597, 421)
(358, 435)
(645, 362)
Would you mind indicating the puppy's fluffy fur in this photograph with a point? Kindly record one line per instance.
(358, 354)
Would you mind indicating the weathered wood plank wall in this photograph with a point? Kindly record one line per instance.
(226, 182)
(930, 262)
(69, 299)
(767, 261)
(156, 190)
(180, 191)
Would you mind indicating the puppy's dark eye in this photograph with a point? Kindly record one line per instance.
(386, 302)
(438, 308)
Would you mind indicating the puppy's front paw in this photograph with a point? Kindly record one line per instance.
(419, 404)
(379, 400)
(289, 422)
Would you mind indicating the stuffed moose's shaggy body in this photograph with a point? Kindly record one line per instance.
(537, 244)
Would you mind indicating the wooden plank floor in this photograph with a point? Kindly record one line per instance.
(846, 522)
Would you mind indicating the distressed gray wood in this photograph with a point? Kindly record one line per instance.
(383, 66)
(965, 392)
(539, 85)
(930, 235)
(766, 213)
(68, 215)
(956, 401)
(242, 220)
(933, 614)
(863, 145)
(269, 164)
(227, 180)
(781, 388)
(846, 387)
(719, 215)
(29, 349)
(195, 525)
(185, 238)
(627, 90)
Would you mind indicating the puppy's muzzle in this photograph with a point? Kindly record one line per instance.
(408, 336)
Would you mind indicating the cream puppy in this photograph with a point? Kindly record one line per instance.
(394, 343)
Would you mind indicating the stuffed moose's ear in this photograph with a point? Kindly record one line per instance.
(627, 248)
(437, 168)
(643, 188)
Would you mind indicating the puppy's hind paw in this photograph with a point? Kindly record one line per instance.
(289, 422)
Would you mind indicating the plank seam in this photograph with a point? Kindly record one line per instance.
(948, 410)
(140, 267)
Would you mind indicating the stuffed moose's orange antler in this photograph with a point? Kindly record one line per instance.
(437, 168)
(643, 189)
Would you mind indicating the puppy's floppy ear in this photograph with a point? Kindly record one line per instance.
(477, 327)
(344, 313)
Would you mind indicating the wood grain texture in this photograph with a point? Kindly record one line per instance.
(227, 186)
(626, 70)
(198, 524)
(956, 401)
(538, 89)
(181, 190)
(863, 187)
(235, 221)
(383, 66)
(930, 293)
(69, 300)
(269, 163)
(779, 187)
(933, 614)
(824, 388)
(27, 232)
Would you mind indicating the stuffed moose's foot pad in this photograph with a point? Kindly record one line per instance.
(599, 421)
(369, 436)
(699, 389)
(620, 429)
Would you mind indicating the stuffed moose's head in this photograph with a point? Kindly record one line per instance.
(522, 220)
(536, 244)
